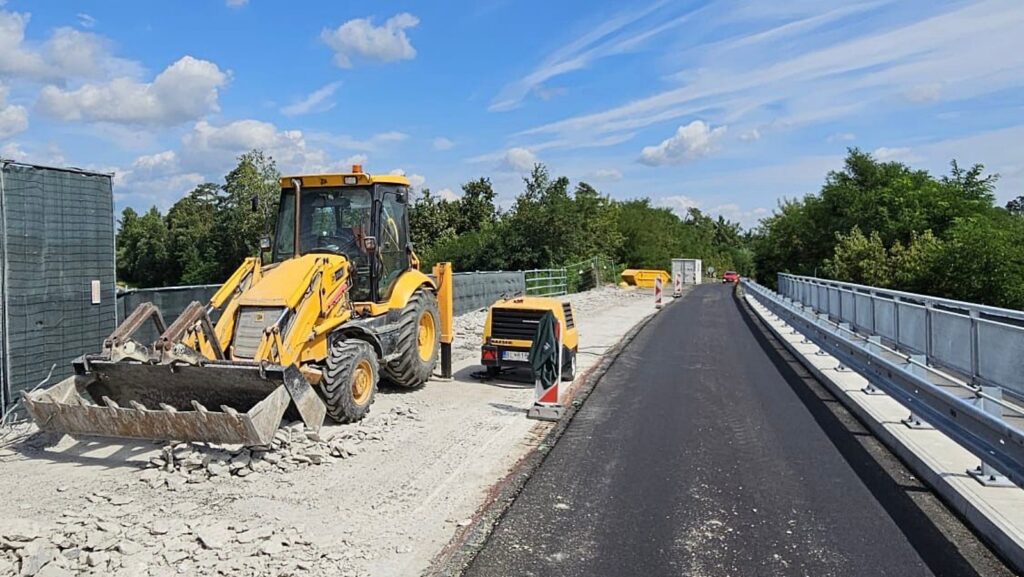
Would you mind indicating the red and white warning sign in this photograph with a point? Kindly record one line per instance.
(657, 292)
(678, 288)
(548, 405)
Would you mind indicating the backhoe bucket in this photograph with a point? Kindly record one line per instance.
(218, 402)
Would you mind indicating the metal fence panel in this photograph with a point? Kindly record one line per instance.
(864, 316)
(58, 231)
(981, 342)
(846, 307)
(170, 300)
(546, 282)
(885, 318)
(1001, 354)
(477, 290)
(911, 321)
(951, 340)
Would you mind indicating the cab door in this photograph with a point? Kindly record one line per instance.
(392, 238)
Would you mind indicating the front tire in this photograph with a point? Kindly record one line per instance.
(419, 339)
(350, 380)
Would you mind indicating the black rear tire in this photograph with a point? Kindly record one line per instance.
(347, 362)
(410, 370)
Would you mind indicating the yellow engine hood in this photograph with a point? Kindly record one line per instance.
(285, 283)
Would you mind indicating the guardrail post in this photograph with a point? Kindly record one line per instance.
(975, 368)
(984, 473)
(914, 421)
(928, 329)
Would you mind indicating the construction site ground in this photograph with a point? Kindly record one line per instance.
(380, 497)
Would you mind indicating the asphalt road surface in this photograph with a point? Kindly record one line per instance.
(703, 452)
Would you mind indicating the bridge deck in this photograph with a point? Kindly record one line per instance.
(701, 452)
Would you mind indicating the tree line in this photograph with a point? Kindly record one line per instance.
(888, 225)
(878, 223)
(207, 233)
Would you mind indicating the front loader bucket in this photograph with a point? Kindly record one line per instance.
(218, 402)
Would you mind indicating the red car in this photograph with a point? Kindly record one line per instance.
(731, 276)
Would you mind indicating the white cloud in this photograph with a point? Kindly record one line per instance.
(609, 174)
(841, 137)
(68, 53)
(15, 60)
(360, 38)
(679, 203)
(236, 3)
(733, 212)
(623, 33)
(751, 135)
(690, 142)
(85, 20)
(896, 153)
(354, 159)
(213, 148)
(448, 194)
(12, 151)
(390, 136)
(415, 180)
(442, 143)
(929, 92)
(185, 90)
(365, 144)
(166, 161)
(517, 160)
(975, 48)
(13, 118)
(316, 101)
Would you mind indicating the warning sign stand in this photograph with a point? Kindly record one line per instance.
(657, 293)
(548, 404)
(677, 290)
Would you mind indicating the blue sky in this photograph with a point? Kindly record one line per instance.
(724, 105)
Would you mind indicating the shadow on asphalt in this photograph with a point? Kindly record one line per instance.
(847, 434)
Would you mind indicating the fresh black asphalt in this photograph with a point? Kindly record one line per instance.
(700, 453)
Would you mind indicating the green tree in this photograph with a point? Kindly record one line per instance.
(238, 227)
(860, 259)
(191, 222)
(143, 249)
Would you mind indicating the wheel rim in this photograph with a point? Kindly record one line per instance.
(425, 336)
(362, 382)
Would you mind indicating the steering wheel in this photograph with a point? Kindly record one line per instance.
(344, 242)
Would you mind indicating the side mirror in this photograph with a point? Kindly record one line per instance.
(255, 200)
(370, 244)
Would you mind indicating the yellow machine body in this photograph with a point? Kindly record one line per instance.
(511, 327)
(314, 329)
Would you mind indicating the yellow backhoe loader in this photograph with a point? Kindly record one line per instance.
(340, 304)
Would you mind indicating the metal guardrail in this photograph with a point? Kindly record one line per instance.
(974, 416)
(546, 282)
(982, 343)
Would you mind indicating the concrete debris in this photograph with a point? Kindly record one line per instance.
(152, 542)
(293, 447)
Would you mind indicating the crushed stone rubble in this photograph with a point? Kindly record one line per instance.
(111, 536)
(293, 447)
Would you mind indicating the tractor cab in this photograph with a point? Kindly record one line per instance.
(361, 217)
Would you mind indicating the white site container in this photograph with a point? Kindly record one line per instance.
(685, 271)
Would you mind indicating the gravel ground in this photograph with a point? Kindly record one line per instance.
(379, 497)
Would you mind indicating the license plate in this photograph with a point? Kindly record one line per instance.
(522, 356)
